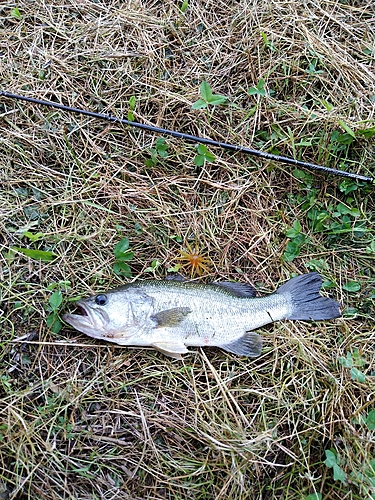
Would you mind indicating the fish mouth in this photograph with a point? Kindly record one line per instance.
(87, 319)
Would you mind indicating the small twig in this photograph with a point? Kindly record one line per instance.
(193, 138)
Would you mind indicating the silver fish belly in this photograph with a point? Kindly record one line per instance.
(170, 315)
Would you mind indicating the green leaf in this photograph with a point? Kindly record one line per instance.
(154, 265)
(350, 312)
(347, 129)
(202, 149)
(15, 13)
(33, 237)
(331, 458)
(346, 362)
(53, 323)
(259, 89)
(371, 247)
(217, 99)
(121, 247)
(199, 160)
(292, 250)
(358, 360)
(370, 421)
(339, 474)
(351, 286)
(125, 256)
(314, 496)
(345, 139)
(357, 375)
(122, 268)
(368, 133)
(295, 230)
(327, 105)
(200, 104)
(209, 156)
(36, 254)
(205, 91)
(184, 6)
(132, 102)
(55, 300)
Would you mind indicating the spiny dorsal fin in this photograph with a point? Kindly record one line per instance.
(250, 344)
(176, 277)
(237, 289)
(170, 317)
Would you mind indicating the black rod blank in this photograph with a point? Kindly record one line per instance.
(192, 138)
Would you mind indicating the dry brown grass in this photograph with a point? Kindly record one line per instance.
(84, 420)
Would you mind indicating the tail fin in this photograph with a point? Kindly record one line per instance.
(307, 303)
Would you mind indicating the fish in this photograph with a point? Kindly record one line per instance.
(171, 316)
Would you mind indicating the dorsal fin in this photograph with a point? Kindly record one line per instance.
(170, 317)
(176, 277)
(237, 289)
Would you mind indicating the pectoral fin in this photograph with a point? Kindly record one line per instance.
(170, 317)
(171, 349)
(250, 344)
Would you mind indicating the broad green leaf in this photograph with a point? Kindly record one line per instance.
(209, 156)
(121, 247)
(331, 459)
(259, 89)
(314, 496)
(15, 13)
(122, 268)
(184, 6)
(371, 247)
(345, 139)
(217, 99)
(205, 91)
(199, 160)
(351, 286)
(33, 237)
(53, 323)
(200, 104)
(350, 312)
(339, 474)
(370, 420)
(357, 375)
(346, 362)
(358, 360)
(125, 256)
(36, 254)
(132, 102)
(55, 300)
(369, 133)
(202, 149)
(256, 91)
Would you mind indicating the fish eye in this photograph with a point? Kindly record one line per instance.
(101, 300)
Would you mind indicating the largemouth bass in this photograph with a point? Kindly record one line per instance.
(172, 315)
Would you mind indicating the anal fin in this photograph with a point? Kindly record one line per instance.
(172, 349)
(250, 344)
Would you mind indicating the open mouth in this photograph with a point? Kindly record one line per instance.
(81, 311)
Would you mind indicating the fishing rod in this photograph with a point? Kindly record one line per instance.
(192, 138)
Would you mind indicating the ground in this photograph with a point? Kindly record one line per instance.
(83, 419)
